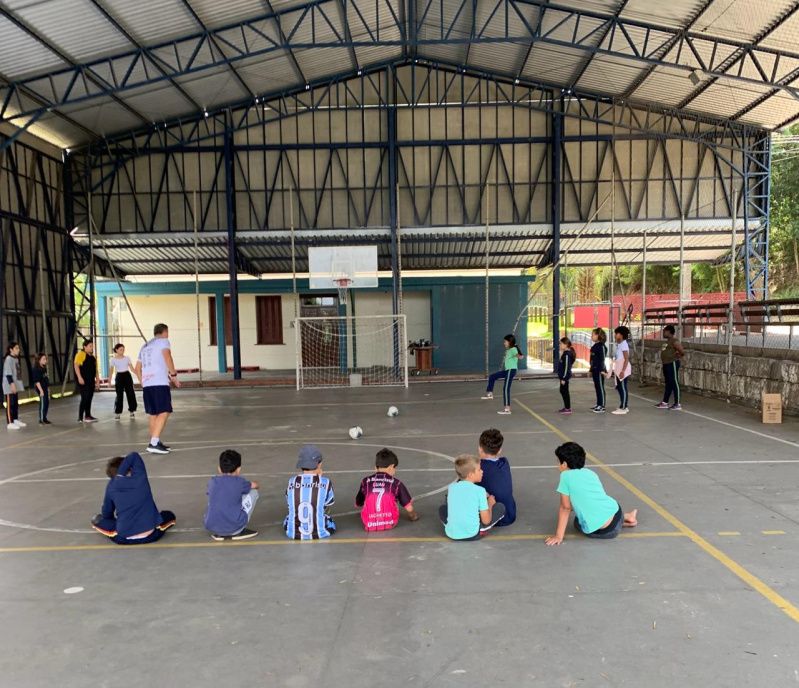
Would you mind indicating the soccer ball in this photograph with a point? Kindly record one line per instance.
(356, 432)
(392, 411)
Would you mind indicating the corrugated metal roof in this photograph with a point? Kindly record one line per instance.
(79, 30)
(519, 246)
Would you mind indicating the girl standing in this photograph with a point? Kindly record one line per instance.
(12, 386)
(567, 356)
(123, 381)
(41, 382)
(510, 367)
(599, 352)
(622, 368)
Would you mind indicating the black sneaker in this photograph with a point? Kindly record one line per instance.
(46, 422)
(157, 448)
(245, 534)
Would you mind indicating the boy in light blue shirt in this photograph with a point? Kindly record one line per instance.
(597, 515)
(470, 511)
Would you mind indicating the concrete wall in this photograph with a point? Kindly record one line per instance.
(754, 371)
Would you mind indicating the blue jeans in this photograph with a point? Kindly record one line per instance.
(507, 376)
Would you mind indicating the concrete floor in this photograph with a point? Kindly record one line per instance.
(664, 605)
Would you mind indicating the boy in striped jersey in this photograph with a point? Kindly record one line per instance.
(379, 493)
(308, 495)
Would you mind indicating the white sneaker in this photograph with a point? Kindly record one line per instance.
(504, 412)
(19, 423)
(116, 416)
(132, 414)
(13, 426)
(620, 412)
(487, 396)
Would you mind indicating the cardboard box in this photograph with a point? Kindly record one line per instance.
(772, 407)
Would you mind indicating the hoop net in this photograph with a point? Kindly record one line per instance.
(343, 284)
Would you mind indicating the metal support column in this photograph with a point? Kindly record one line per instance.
(555, 192)
(230, 205)
(391, 133)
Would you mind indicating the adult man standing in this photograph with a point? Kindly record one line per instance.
(156, 369)
(670, 358)
(88, 378)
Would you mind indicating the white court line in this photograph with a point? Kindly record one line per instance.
(724, 422)
(637, 464)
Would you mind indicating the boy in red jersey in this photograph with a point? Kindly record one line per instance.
(379, 494)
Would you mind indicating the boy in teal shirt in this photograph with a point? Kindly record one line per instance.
(470, 511)
(597, 515)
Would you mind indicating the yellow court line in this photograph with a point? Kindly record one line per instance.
(286, 541)
(749, 578)
(773, 532)
(729, 532)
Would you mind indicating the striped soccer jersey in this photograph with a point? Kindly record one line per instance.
(378, 496)
(308, 496)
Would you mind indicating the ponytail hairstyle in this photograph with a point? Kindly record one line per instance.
(511, 340)
(601, 336)
(566, 341)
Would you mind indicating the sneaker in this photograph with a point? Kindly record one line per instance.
(565, 412)
(13, 426)
(166, 525)
(89, 419)
(132, 415)
(620, 412)
(504, 412)
(159, 448)
(598, 409)
(116, 416)
(19, 423)
(676, 407)
(245, 534)
(46, 422)
(662, 404)
(487, 395)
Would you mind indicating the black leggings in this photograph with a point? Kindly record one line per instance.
(86, 396)
(564, 392)
(124, 386)
(599, 387)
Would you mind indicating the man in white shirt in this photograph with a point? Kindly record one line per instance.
(156, 370)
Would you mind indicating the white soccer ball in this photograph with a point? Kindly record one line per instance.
(392, 411)
(356, 432)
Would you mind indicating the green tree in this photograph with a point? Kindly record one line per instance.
(784, 238)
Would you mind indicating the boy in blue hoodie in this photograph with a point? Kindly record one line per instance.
(497, 480)
(565, 366)
(129, 515)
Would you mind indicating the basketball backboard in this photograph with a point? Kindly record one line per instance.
(328, 266)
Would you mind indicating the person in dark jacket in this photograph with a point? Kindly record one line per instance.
(497, 480)
(599, 353)
(129, 515)
(565, 366)
(41, 383)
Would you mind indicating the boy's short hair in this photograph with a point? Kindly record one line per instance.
(465, 465)
(119, 346)
(669, 329)
(572, 454)
(491, 441)
(160, 328)
(112, 467)
(86, 343)
(386, 458)
(229, 461)
(623, 331)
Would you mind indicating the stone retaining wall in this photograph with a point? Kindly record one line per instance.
(754, 370)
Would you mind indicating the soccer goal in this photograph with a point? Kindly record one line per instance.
(347, 351)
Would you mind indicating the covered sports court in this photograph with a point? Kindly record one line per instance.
(181, 160)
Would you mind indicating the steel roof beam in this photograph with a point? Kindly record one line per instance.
(290, 52)
(195, 54)
(602, 36)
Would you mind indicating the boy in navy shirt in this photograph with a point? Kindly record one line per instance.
(497, 479)
(129, 515)
(231, 500)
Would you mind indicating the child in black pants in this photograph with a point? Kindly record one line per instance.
(41, 383)
(599, 352)
(565, 365)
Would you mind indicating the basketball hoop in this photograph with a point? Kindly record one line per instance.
(343, 284)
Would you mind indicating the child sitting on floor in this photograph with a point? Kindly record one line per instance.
(308, 496)
(470, 511)
(129, 515)
(497, 479)
(379, 493)
(231, 500)
(597, 514)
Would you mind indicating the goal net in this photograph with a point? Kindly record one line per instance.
(347, 351)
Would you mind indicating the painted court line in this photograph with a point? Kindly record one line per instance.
(728, 532)
(749, 578)
(724, 422)
(773, 532)
(331, 541)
